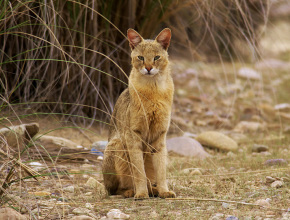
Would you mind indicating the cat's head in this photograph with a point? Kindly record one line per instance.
(149, 57)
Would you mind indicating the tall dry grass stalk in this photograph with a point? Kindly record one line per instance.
(59, 52)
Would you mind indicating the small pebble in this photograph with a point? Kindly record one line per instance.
(263, 202)
(89, 206)
(273, 162)
(117, 214)
(100, 145)
(195, 172)
(69, 189)
(266, 153)
(277, 184)
(80, 211)
(100, 158)
(225, 205)
(270, 179)
(232, 218)
(259, 148)
(217, 216)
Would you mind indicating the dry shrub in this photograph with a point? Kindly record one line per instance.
(62, 56)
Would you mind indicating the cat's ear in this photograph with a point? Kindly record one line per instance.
(164, 37)
(134, 38)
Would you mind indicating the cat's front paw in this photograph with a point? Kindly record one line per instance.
(168, 194)
(128, 193)
(139, 196)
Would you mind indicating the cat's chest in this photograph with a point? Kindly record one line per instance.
(156, 112)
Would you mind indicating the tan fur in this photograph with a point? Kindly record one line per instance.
(135, 157)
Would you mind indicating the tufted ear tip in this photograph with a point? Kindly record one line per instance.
(164, 38)
(134, 38)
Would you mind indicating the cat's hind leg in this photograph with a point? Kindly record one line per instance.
(111, 180)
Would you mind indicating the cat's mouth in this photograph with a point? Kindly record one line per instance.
(152, 72)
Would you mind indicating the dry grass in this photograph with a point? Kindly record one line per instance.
(65, 56)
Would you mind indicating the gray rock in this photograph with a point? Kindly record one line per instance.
(117, 214)
(232, 218)
(217, 216)
(225, 205)
(89, 206)
(17, 135)
(273, 162)
(97, 186)
(70, 189)
(282, 106)
(100, 145)
(249, 126)
(248, 73)
(277, 184)
(191, 171)
(57, 142)
(11, 214)
(80, 211)
(273, 63)
(217, 140)
(36, 166)
(259, 148)
(270, 179)
(263, 202)
(190, 135)
(186, 147)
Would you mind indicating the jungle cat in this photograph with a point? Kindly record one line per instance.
(135, 157)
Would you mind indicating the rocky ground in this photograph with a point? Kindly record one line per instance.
(229, 150)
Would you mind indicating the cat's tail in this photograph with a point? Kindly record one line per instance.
(111, 181)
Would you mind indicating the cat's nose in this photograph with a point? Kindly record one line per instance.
(148, 69)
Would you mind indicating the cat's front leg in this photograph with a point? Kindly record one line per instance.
(134, 144)
(159, 163)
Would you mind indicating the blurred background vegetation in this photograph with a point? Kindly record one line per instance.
(72, 57)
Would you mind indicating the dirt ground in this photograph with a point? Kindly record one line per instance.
(233, 185)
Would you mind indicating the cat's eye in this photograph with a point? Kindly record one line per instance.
(141, 58)
(156, 58)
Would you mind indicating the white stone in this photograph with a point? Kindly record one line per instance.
(248, 73)
(69, 189)
(97, 186)
(282, 106)
(277, 184)
(117, 214)
(100, 158)
(80, 211)
(89, 206)
(263, 202)
(249, 126)
(225, 205)
(57, 141)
